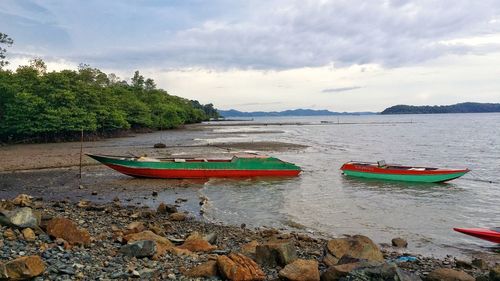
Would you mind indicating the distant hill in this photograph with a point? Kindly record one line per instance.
(466, 107)
(294, 112)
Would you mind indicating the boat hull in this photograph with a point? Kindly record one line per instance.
(238, 167)
(401, 173)
(403, 177)
(482, 233)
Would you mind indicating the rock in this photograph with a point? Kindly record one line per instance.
(237, 267)
(196, 243)
(463, 264)
(399, 242)
(94, 193)
(22, 268)
(249, 249)
(23, 200)
(211, 237)
(68, 230)
(158, 230)
(166, 209)
(275, 253)
(177, 217)
(9, 234)
(29, 234)
(338, 271)
(380, 271)
(135, 227)
(301, 270)
(21, 217)
(206, 269)
(357, 246)
(480, 263)
(447, 274)
(139, 249)
(162, 244)
(84, 204)
(495, 273)
(159, 145)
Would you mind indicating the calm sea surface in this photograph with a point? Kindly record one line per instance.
(325, 201)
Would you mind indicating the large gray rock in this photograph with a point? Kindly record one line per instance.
(275, 253)
(139, 249)
(21, 217)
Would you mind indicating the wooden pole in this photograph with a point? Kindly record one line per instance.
(81, 152)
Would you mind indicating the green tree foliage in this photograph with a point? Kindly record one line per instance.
(46, 106)
(5, 40)
(466, 107)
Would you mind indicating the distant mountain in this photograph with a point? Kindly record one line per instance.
(466, 107)
(294, 112)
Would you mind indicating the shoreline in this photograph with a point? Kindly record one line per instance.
(109, 224)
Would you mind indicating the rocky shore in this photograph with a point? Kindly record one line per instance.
(63, 240)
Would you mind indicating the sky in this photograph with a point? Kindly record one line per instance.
(341, 55)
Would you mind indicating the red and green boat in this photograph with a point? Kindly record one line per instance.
(492, 235)
(382, 171)
(240, 165)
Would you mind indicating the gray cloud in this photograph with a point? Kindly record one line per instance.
(343, 89)
(262, 35)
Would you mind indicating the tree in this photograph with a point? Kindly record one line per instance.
(39, 65)
(150, 84)
(137, 80)
(4, 40)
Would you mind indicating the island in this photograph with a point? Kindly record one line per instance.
(466, 107)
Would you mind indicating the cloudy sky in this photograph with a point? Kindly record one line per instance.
(350, 55)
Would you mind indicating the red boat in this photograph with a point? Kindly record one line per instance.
(492, 235)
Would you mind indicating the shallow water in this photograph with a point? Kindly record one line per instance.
(325, 201)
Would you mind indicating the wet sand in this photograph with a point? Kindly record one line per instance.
(58, 155)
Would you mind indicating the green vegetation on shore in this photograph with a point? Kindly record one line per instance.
(466, 107)
(37, 105)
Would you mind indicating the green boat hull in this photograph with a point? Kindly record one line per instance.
(399, 177)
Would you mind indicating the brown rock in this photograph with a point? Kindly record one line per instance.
(338, 271)
(166, 209)
(207, 269)
(83, 204)
(22, 268)
(182, 252)
(29, 234)
(157, 230)
(162, 243)
(399, 242)
(447, 274)
(237, 267)
(9, 234)
(196, 243)
(249, 249)
(275, 253)
(177, 217)
(135, 227)
(22, 200)
(301, 270)
(358, 246)
(68, 230)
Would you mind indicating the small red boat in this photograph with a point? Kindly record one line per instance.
(492, 235)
